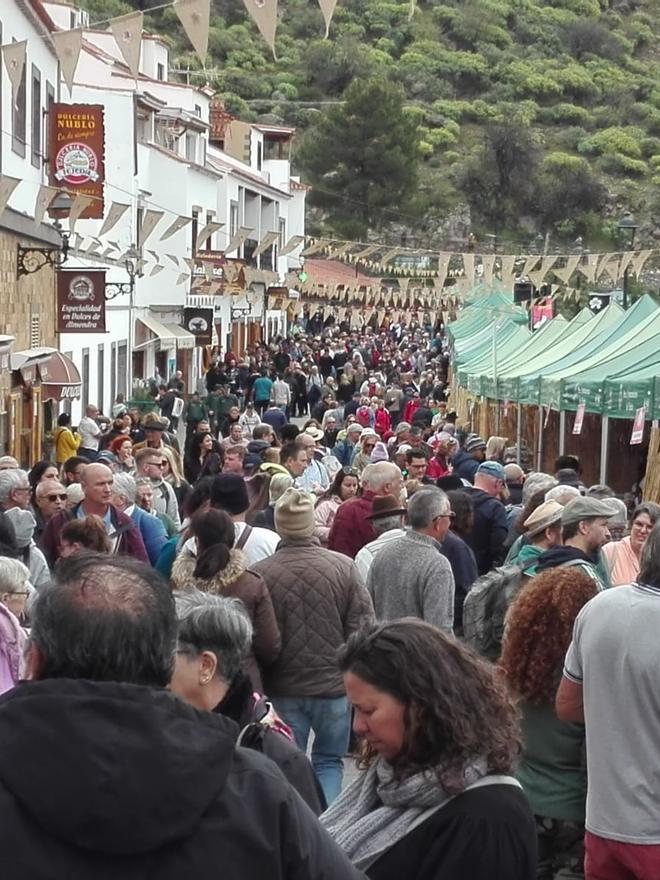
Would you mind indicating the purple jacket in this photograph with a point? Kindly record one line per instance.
(12, 647)
(129, 541)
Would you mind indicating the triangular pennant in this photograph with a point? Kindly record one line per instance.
(488, 265)
(127, 31)
(571, 265)
(366, 252)
(264, 15)
(183, 276)
(156, 269)
(239, 237)
(79, 206)
(150, 221)
(7, 187)
(639, 260)
(507, 270)
(468, 266)
(13, 55)
(45, 196)
(266, 242)
(328, 10)
(210, 229)
(174, 258)
(194, 15)
(589, 268)
(294, 242)
(174, 226)
(626, 259)
(67, 48)
(116, 212)
(315, 246)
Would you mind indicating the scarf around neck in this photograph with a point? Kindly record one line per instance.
(376, 811)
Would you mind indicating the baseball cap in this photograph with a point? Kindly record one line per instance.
(587, 508)
(492, 469)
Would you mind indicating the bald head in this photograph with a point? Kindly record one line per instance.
(96, 481)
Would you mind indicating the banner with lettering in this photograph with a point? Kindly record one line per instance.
(81, 301)
(77, 153)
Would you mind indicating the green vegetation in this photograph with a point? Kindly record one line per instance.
(540, 116)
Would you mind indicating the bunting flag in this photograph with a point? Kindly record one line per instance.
(530, 263)
(539, 275)
(468, 267)
(194, 15)
(150, 221)
(45, 196)
(443, 267)
(183, 276)
(389, 256)
(639, 260)
(155, 255)
(175, 226)
(80, 204)
(7, 187)
(294, 242)
(68, 45)
(588, 269)
(507, 270)
(116, 212)
(365, 252)
(174, 258)
(13, 55)
(241, 234)
(264, 15)
(127, 31)
(316, 246)
(328, 10)
(626, 259)
(610, 266)
(266, 242)
(156, 269)
(488, 265)
(210, 229)
(567, 271)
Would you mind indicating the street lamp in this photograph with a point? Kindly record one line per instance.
(31, 259)
(628, 227)
(113, 289)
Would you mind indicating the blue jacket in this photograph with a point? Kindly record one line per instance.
(344, 452)
(152, 531)
(464, 465)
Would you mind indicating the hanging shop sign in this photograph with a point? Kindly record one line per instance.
(212, 272)
(81, 301)
(579, 418)
(76, 152)
(200, 323)
(637, 435)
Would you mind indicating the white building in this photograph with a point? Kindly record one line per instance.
(159, 158)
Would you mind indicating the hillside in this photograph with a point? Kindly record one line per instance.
(540, 117)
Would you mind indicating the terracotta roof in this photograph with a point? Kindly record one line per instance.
(335, 272)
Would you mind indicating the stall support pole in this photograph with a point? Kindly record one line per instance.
(562, 431)
(540, 447)
(604, 446)
(519, 434)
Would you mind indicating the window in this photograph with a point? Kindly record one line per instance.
(198, 111)
(18, 127)
(36, 117)
(259, 155)
(101, 378)
(233, 219)
(191, 146)
(276, 149)
(160, 72)
(35, 331)
(282, 231)
(210, 217)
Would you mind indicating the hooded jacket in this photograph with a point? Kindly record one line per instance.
(566, 555)
(489, 531)
(132, 782)
(464, 465)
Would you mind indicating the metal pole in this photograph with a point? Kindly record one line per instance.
(540, 446)
(497, 403)
(519, 434)
(562, 431)
(625, 288)
(604, 445)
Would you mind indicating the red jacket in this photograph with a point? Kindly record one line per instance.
(129, 541)
(351, 529)
(383, 422)
(411, 408)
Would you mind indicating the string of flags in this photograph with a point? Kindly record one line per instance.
(194, 16)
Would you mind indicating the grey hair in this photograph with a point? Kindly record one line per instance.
(649, 565)
(562, 494)
(426, 505)
(11, 479)
(386, 524)
(216, 624)
(124, 484)
(13, 575)
(534, 483)
(278, 485)
(600, 490)
(377, 474)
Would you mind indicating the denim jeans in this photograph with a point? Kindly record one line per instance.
(330, 719)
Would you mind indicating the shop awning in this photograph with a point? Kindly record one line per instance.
(184, 338)
(60, 379)
(26, 362)
(150, 331)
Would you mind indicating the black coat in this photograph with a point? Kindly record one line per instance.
(485, 834)
(103, 780)
(490, 530)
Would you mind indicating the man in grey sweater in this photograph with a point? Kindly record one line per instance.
(410, 577)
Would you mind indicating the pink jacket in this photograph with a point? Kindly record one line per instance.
(12, 650)
(324, 514)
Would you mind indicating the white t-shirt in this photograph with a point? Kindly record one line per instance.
(89, 433)
(615, 656)
(261, 544)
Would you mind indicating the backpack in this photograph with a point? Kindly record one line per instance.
(485, 608)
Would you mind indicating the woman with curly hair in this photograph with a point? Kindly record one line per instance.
(552, 769)
(439, 739)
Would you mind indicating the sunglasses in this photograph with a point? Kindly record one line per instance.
(350, 472)
(57, 497)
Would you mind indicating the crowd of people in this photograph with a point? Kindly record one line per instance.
(319, 560)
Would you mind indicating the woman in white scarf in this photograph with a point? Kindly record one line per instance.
(439, 738)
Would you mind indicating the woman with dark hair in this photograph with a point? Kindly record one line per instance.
(552, 770)
(463, 510)
(222, 569)
(84, 534)
(201, 460)
(40, 471)
(439, 739)
(622, 557)
(344, 486)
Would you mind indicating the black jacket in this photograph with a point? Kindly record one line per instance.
(485, 834)
(103, 780)
(239, 705)
(464, 568)
(490, 529)
(464, 465)
(557, 556)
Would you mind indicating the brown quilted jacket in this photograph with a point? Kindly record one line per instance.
(319, 599)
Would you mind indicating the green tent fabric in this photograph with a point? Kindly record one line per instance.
(572, 345)
(482, 344)
(623, 395)
(551, 380)
(480, 314)
(471, 373)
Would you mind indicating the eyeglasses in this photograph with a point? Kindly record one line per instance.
(57, 497)
(451, 515)
(20, 593)
(22, 489)
(158, 464)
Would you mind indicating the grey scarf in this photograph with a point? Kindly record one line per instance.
(376, 811)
